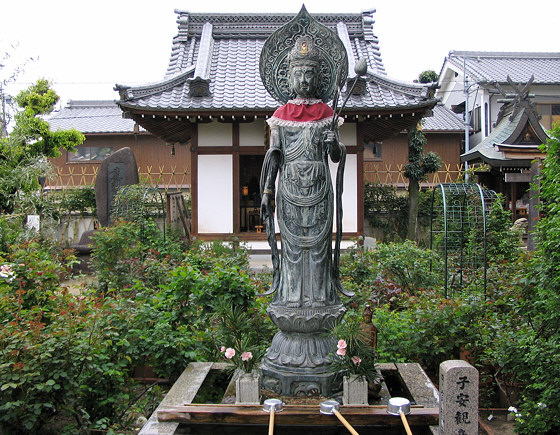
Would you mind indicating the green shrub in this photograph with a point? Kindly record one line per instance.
(77, 200)
(37, 269)
(386, 211)
(409, 266)
(64, 357)
(174, 323)
(125, 252)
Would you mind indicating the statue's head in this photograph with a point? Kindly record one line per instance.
(304, 62)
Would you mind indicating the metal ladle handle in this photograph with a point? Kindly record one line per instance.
(344, 422)
(405, 423)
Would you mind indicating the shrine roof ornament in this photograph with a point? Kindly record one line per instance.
(514, 141)
(325, 46)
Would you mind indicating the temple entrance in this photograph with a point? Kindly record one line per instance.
(250, 198)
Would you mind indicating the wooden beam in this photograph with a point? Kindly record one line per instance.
(235, 182)
(293, 415)
(194, 182)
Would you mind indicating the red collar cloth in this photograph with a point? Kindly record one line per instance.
(301, 112)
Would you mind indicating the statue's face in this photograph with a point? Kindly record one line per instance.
(303, 80)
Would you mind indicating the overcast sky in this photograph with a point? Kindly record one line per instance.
(85, 47)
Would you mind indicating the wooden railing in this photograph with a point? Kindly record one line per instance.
(394, 174)
(166, 178)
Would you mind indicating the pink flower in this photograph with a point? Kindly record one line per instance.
(230, 353)
(223, 349)
(341, 344)
(246, 356)
(341, 351)
(356, 360)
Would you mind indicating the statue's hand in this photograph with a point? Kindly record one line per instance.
(267, 206)
(330, 139)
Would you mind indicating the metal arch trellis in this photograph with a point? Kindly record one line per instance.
(151, 205)
(458, 229)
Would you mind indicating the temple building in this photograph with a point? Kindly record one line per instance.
(212, 103)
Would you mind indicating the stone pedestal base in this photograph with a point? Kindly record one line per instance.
(288, 383)
(297, 363)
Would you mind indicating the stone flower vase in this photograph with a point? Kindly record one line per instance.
(355, 390)
(248, 388)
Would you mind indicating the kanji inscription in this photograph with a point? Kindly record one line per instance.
(458, 411)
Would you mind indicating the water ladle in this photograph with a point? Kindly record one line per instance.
(272, 406)
(401, 407)
(330, 407)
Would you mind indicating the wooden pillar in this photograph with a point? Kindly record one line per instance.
(194, 180)
(513, 199)
(236, 187)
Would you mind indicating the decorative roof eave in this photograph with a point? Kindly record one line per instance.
(422, 109)
(128, 93)
(380, 127)
(478, 157)
(168, 129)
(412, 89)
(194, 112)
(175, 127)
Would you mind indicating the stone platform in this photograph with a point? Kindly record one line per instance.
(177, 415)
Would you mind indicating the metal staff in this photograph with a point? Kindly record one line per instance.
(360, 69)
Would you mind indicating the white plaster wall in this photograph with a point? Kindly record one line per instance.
(252, 133)
(215, 199)
(349, 195)
(347, 134)
(214, 134)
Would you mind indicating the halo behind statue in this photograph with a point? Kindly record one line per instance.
(274, 57)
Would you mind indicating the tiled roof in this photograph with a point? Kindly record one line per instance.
(484, 67)
(443, 120)
(94, 116)
(91, 117)
(234, 79)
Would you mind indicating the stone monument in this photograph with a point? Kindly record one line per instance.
(117, 170)
(458, 406)
(302, 65)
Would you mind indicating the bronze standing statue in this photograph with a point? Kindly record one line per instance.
(302, 64)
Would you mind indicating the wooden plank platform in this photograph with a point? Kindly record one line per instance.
(292, 415)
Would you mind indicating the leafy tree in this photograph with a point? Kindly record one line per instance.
(541, 401)
(428, 76)
(417, 169)
(24, 153)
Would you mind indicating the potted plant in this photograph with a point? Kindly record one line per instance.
(245, 362)
(235, 329)
(354, 359)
